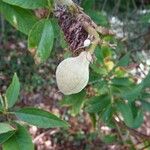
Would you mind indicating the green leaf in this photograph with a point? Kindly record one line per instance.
(121, 82)
(99, 17)
(106, 115)
(124, 61)
(138, 120)
(40, 118)
(21, 19)
(99, 55)
(98, 104)
(5, 136)
(145, 95)
(109, 139)
(5, 127)
(145, 18)
(21, 140)
(101, 86)
(56, 28)
(146, 105)
(146, 81)
(88, 4)
(98, 69)
(6, 131)
(133, 116)
(41, 39)
(137, 115)
(28, 4)
(106, 51)
(133, 94)
(126, 112)
(93, 119)
(75, 101)
(12, 92)
(1, 103)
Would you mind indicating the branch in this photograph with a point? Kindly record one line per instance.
(69, 3)
(65, 2)
(132, 131)
(50, 132)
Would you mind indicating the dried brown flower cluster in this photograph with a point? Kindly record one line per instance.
(73, 30)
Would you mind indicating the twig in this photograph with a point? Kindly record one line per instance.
(50, 132)
(142, 5)
(134, 4)
(119, 131)
(116, 8)
(2, 28)
(104, 4)
(133, 131)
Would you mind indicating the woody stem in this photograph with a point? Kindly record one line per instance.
(71, 5)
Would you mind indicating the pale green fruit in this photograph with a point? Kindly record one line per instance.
(72, 74)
